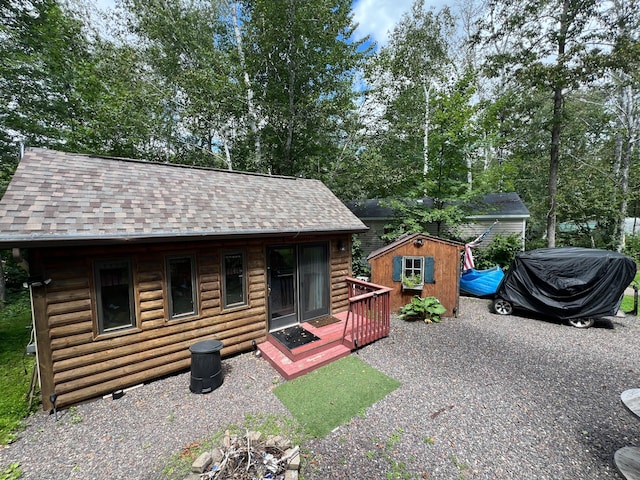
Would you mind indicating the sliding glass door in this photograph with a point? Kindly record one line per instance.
(298, 284)
(314, 281)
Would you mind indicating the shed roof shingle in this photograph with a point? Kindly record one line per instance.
(57, 196)
(410, 238)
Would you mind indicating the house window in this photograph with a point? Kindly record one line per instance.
(181, 284)
(413, 270)
(114, 295)
(234, 290)
(417, 270)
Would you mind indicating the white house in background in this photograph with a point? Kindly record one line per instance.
(507, 208)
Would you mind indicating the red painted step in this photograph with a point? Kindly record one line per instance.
(290, 369)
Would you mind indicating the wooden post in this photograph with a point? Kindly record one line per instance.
(44, 362)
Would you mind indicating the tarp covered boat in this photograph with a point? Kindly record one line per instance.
(566, 283)
(481, 283)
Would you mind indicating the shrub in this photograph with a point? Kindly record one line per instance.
(359, 264)
(14, 275)
(632, 247)
(428, 309)
(501, 251)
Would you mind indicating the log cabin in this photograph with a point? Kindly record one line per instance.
(419, 264)
(131, 262)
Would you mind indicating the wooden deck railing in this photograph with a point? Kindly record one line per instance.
(369, 315)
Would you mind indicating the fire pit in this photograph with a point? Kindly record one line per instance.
(249, 457)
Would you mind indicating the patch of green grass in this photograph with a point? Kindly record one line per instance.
(12, 472)
(74, 415)
(330, 396)
(628, 300)
(15, 367)
(627, 304)
(398, 470)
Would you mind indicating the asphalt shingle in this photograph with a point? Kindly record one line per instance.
(58, 196)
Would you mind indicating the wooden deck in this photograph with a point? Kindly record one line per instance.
(367, 320)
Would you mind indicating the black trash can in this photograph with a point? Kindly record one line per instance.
(206, 368)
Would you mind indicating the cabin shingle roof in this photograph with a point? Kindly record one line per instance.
(57, 196)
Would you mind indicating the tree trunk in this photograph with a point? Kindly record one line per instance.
(251, 108)
(628, 123)
(554, 163)
(291, 114)
(227, 153)
(556, 128)
(427, 124)
(627, 147)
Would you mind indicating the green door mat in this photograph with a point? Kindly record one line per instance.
(330, 396)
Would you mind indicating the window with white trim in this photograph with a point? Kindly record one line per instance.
(413, 269)
(420, 269)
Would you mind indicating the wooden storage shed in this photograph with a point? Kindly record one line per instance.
(419, 264)
(132, 262)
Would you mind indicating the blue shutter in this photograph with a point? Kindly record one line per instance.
(397, 269)
(429, 263)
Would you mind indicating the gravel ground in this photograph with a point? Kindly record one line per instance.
(482, 397)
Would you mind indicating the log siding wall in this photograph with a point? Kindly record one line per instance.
(78, 363)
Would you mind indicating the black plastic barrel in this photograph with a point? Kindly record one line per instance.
(206, 368)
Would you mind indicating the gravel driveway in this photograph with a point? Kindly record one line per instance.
(482, 397)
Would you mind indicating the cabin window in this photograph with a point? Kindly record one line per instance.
(181, 284)
(234, 290)
(114, 292)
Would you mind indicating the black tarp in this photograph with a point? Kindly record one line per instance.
(568, 282)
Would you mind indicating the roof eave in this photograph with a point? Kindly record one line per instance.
(498, 216)
(35, 241)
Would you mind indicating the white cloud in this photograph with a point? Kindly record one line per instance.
(378, 17)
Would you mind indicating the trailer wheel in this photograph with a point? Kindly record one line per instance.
(582, 322)
(502, 307)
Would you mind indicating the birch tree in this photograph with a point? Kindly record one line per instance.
(414, 65)
(189, 47)
(254, 119)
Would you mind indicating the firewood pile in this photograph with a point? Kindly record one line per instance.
(249, 457)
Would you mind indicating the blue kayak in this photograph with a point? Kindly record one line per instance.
(481, 283)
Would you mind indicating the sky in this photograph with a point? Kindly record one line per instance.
(375, 17)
